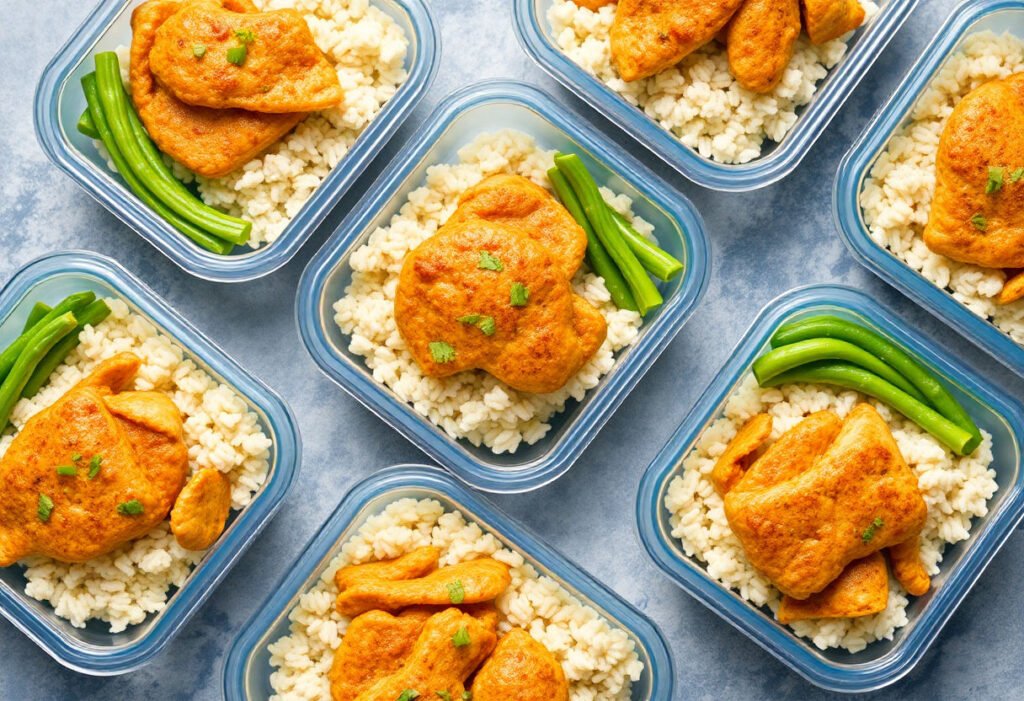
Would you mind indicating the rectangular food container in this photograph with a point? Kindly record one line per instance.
(93, 650)
(489, 107)
(59, 102)
(883, 662)
(777, 161)
(247, 670)
(969, 18)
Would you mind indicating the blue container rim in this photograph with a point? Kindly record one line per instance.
(182, 605)
(858, 162)
(112, 194)
(742, 615)
(760, 172)
(429, 438)
(643, 630)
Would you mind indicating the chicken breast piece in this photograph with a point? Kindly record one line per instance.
(907, 567)
(594, 5)
(861, 590)
(857, 498)
(972, 221)
(520, 669)
(794, 452)
(416, 563)
(450, 647)
(760, 41)
(201, 510)
(826, 20)
(454, 308)
(649, 36)
(732, 464)
(209, 142)
(282, 69)
(467, 583)
(1013, 288)
(135, 441)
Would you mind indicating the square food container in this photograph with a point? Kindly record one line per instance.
(93, 650)
(489, 107)
(777, 160)
(247, 670)
(969, 18)
(59, 102)
(882, 662)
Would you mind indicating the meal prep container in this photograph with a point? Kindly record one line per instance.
(94, 650)
(59, 102)
(883, 662)
(247, 670)
(777, 160)
(969, 18)
(489, 107)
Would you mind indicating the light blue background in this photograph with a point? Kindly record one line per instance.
(764, 244)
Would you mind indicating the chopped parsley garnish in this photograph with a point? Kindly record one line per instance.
(461, 637)
(198, 50)
(869, 532)
(94, 466)
(456, 592)
(980, 222)
(995, 180)
(67, 470)
(489, 262)
(408, 695)
(484, 323)
(1016, 175)
(245, 36)
(44, 508)
(236, 55)
(467, 696)
(130, 508)
(75, 457)
(441, 352)
(519, 295)
(443, 695)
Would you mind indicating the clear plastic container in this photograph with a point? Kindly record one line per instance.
(776, 161)
(969, 18)
(59, 102)
(247, 670)
(477, 109)
(94, 650)
(882, 662)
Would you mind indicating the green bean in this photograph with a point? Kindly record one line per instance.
(794, 355)
(71, 303)
(855, 378)
(657, 262)
(210, 243)
(931, 387)
(90, 316)
(43, 339)
(644, 290)
(148, 166)
(36, 314)
(597, 256)
(86, 125)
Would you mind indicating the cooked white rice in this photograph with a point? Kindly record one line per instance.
(896, 199)
(699, 101)
(600, 661)
(368, 49)
(136, 579)
(471, 405)
(956, 490)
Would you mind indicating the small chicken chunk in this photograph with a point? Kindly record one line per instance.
(826, 20)
(131, 443)
(483, 295)
(520, 669)
(977, 214)
(594, 5)
(729, 468)
(202, 509)
(907, 567)
(450, 647)
(793, 453)
(1013, 288)
(467, 583)
(415, 563)
(281, 70)
(760, 41)
(649, 36)
(861, 590)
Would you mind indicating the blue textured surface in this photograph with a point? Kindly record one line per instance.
(764, 243)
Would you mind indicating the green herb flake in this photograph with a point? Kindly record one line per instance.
(995, 180)
(461, 637)
(979, 222)
(408, 695)
(67, 470)
(441, 352)
(869, 532)
(443, 695)
(519, 295)
(94, 466)
(456, 592)
(489, 262)
(44, 507)
(130, 508)
(75, 457)
(484, 323)
(198, 50)
(467, 696)
(1016, 175)
(237, 54)
(245, 36)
